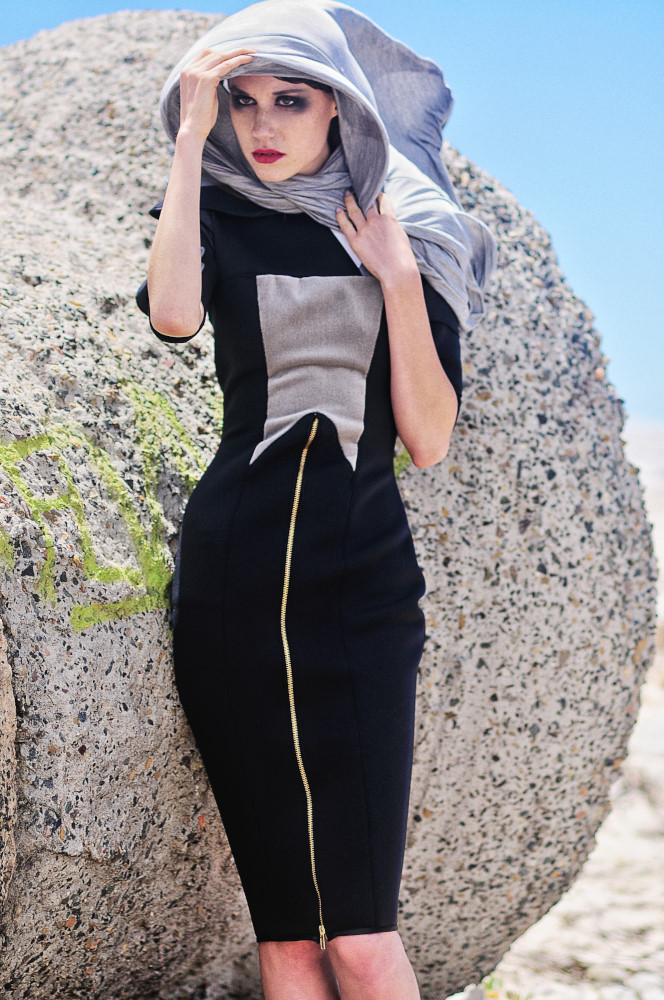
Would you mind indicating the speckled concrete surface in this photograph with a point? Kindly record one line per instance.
(532, 536)
(7, 770)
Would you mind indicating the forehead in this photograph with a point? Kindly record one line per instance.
(267, 85)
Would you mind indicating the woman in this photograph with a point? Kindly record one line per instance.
(297, 631)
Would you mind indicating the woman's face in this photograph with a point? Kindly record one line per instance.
(281, 127)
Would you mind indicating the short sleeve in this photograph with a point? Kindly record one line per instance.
(445, 331)
(208, 277)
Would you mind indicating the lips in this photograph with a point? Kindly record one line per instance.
(267, 155)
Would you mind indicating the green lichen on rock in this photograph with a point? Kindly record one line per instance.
(401, 462)
(161, 439)
(6, 551)
(160, 432)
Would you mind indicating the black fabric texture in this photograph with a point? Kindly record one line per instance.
(354, 625)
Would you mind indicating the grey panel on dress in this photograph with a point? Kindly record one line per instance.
(319, 335)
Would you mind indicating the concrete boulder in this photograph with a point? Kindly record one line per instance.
(115, 877)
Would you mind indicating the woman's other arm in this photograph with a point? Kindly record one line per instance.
(174, 270)
(423, 399)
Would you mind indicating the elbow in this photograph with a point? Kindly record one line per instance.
(427, 441)
(425, 459)
(173, 325)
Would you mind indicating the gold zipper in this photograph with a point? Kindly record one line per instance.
(289, 671)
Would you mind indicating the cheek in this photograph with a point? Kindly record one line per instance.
(242, 124)
(315, 130)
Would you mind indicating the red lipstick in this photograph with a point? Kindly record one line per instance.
(267, 155)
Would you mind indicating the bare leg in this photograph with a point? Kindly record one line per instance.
(373, 967)
(296, 970)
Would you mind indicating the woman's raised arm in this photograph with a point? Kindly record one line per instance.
(423, 399)
(174, 270)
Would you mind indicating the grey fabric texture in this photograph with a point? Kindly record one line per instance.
(319, 336)
(392, 107)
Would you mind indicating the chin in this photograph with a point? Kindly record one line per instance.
(272, 176)
(271, 172)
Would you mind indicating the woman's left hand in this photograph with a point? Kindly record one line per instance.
(377, 238)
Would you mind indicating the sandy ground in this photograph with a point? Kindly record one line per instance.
(605, 939)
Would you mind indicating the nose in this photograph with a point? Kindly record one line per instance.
(263, 124)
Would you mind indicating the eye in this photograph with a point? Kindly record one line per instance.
(242, 100)
(291, 101)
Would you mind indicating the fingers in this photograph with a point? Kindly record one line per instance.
(344, 223)
(352, 211)
(376, 236)
(199, 102)
(232, 62)
(216, 65)
(385, 206)
(214, 56)
(199, 81)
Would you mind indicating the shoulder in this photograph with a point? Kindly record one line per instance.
(222, 201)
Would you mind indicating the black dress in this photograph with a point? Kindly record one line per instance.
(297, 630)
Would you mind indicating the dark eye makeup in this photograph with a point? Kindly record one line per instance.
(292, 101)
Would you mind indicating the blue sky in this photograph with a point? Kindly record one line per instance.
(563, 101)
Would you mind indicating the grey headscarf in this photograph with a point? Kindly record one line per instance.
(392, 107)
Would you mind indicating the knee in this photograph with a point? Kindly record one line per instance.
(369, 958)
(297, 954)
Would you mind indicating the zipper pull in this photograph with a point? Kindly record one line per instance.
(323, 937)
